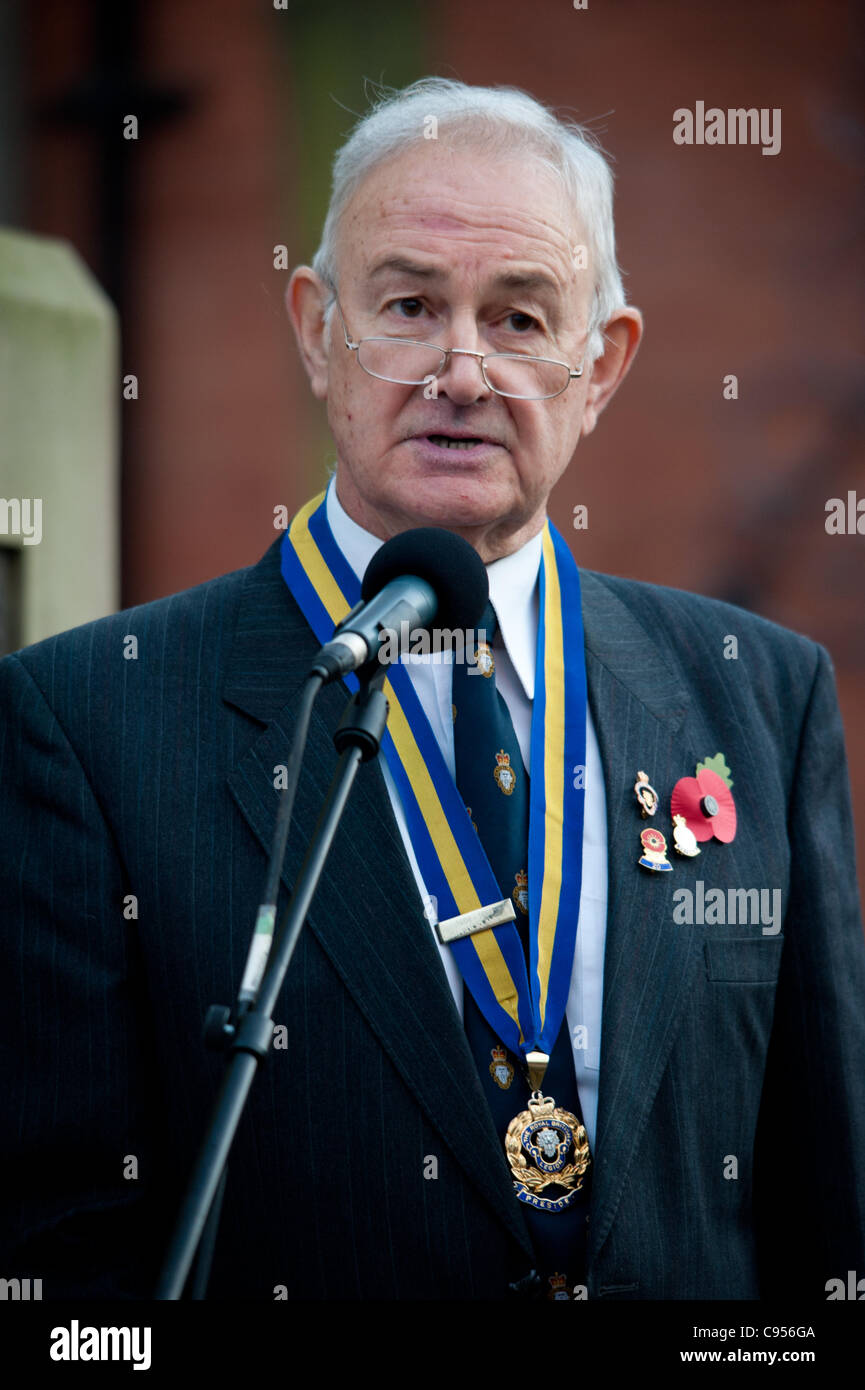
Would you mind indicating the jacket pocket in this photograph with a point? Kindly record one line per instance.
(743, 960)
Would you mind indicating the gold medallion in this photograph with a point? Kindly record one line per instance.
(547, 1147)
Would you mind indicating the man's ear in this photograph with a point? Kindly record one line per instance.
(305, 298)
(621, 339)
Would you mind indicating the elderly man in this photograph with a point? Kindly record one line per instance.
(641, 1084)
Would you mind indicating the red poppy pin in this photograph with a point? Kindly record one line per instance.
(706, 801)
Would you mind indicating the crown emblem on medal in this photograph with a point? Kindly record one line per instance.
(504, 773)
(500, 1068)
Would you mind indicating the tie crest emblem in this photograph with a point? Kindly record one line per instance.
(484, 660)
(504, 773)
(500, 1068)
(520, 894)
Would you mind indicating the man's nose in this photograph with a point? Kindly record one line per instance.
(462, 380)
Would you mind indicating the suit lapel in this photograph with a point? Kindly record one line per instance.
(367, 914)
(638, 707)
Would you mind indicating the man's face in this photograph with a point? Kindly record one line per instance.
(454, 247)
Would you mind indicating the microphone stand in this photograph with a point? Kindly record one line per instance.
(246, 1034)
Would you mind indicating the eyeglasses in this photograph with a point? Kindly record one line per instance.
(410, 363)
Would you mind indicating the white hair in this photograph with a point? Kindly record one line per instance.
(500, 119)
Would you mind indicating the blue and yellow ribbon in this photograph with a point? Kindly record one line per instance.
(450, 856)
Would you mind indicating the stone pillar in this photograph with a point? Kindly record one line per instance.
(59, 408)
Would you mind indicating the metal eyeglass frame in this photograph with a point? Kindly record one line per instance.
(446, 353)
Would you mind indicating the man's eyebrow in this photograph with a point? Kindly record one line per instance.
(526, 280)
(403, 266)
(531, 280)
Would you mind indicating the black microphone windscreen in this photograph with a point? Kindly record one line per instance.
(452, 568)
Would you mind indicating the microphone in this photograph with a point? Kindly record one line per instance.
(414, 577)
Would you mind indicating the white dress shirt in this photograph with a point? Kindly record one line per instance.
(514, 592)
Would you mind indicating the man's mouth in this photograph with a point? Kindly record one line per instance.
(448, 441)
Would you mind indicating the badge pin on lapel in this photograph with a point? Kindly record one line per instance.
(684, 840)
(654, 845)
(654, 854)
(702, 808)
(646, 796)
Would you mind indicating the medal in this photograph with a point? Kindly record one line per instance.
(547, 1148)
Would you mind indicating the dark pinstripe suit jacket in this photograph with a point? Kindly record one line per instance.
(137, 808)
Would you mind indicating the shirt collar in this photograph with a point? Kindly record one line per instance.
(513, 585)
